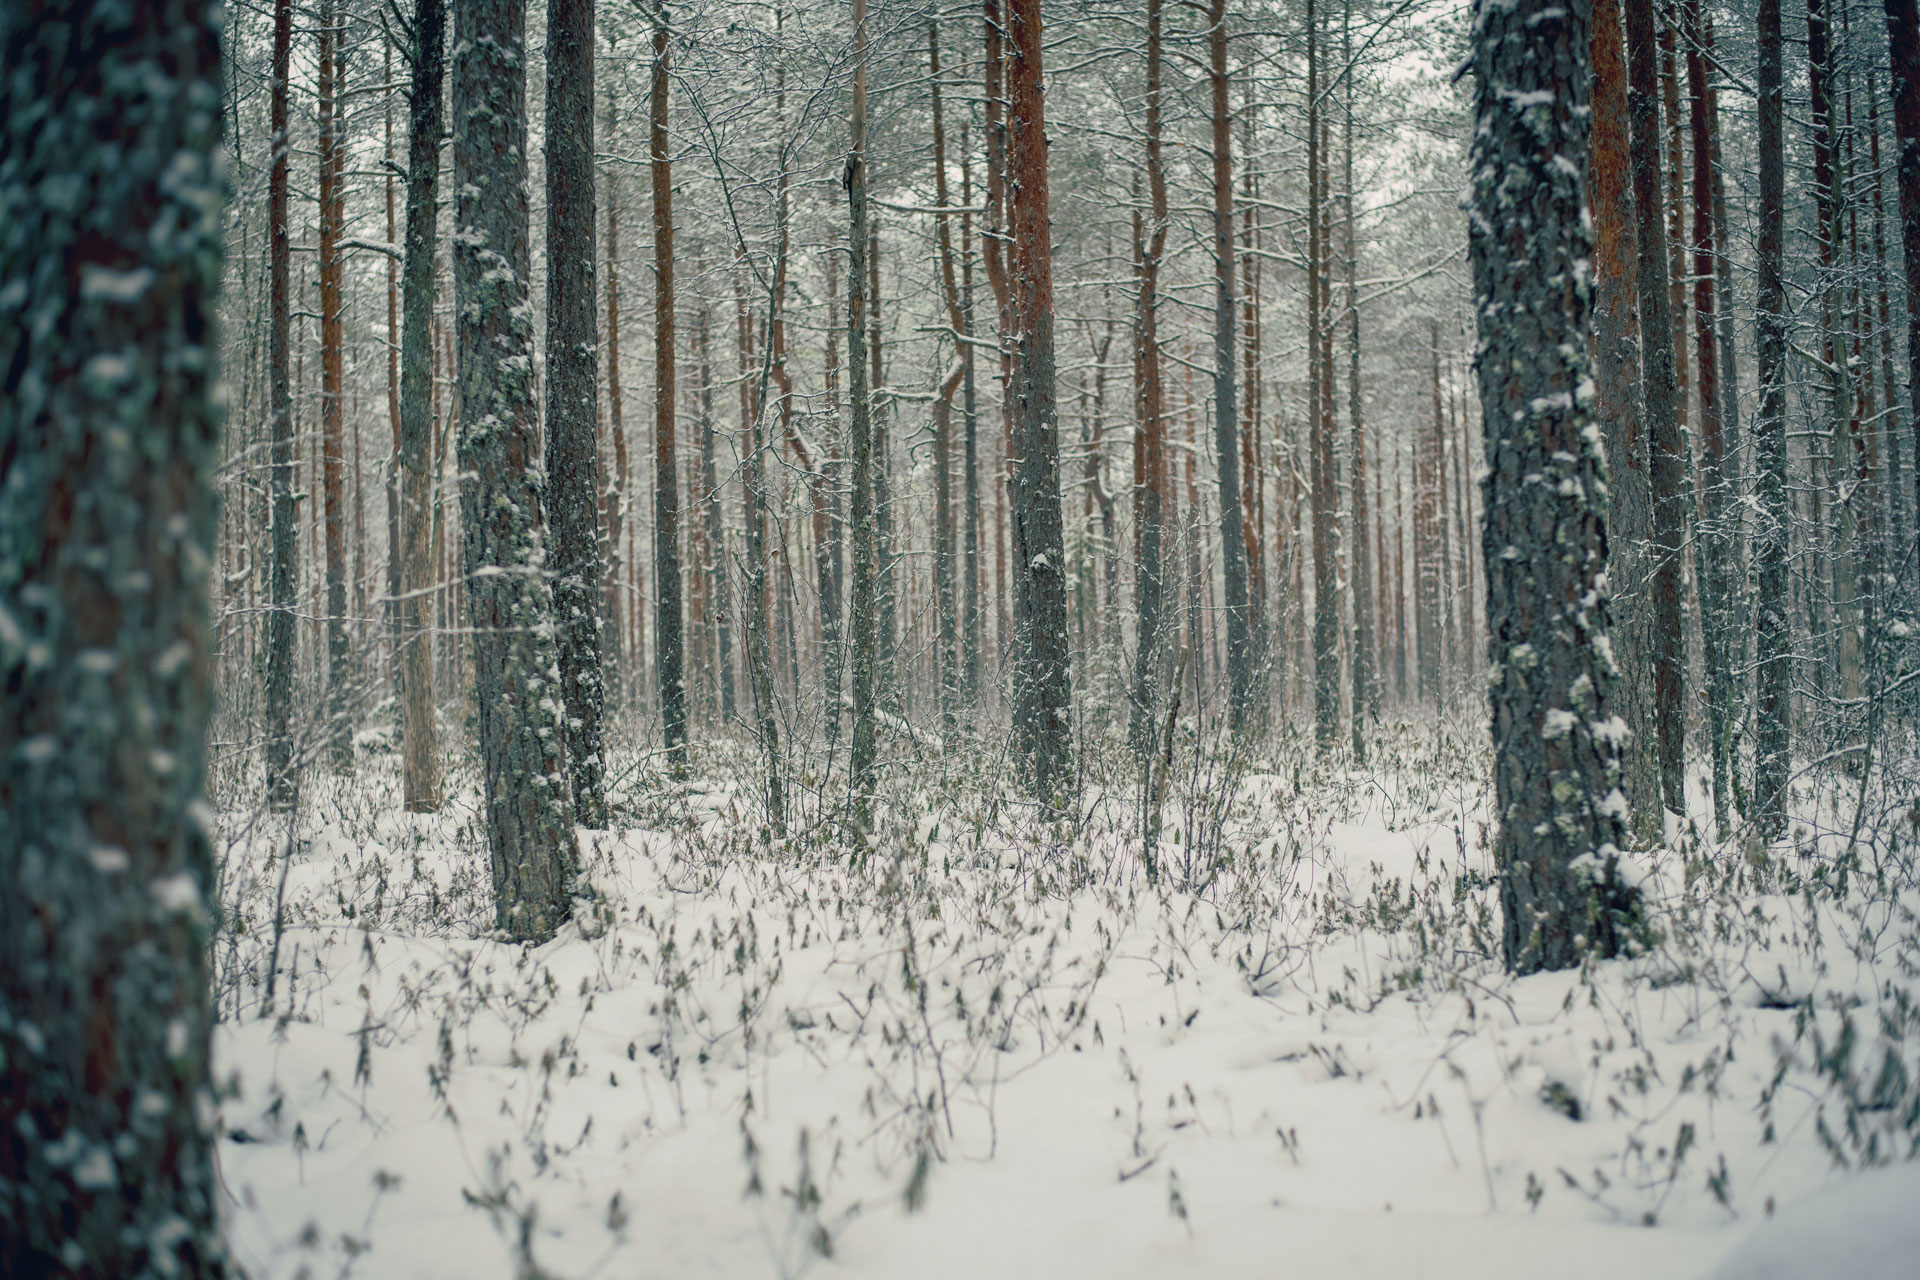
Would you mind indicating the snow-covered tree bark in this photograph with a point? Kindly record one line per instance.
(509, 599)
(573, 368)
(112, 192)
(1903, 41)
(669, 639)
(284, 570)
(1149, 448)
(1226, 413)
(1661, 402)
(1773, 643)
(1556, 741)
(1042, 710)
(419, 736)
(1616, 377)
(863, 605)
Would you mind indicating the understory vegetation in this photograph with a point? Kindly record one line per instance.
(759, 1052)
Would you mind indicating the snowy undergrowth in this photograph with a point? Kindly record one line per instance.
(981, 1041)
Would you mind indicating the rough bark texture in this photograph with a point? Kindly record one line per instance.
(1366, 696)
(1042, 708)
(1149, 451)
(1903, 40)
(284, 575)
(624, 688)
(1773, 703)
(717, 573)
(1556, 763)
(1712, 545)
(1226, 415)
(669, 641)
(1616, 362)
(110, 260)
(509, 601)
(970, 450)
(420, 756)
(573, 388)
(332, 388)
(946, 605)
(1320, 465)
(863, 605)
(1667, 646)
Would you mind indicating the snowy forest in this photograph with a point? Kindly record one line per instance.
(879, 638)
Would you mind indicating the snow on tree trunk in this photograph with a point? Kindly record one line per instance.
(669, 637)
(1226, 419)
(1556, 740)
(1616, 363)
(509, 599)
(1042, 708)
(573, 359)
(1667, 646)
(1903, 40)
(112, 196)
(1149, 457)
(419, 743)
(284, 574)
(1773, 701)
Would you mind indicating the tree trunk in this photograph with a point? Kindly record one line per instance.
(1903, 40)
(946, 605)
(668, 637)
(1773, 702)
(971, 615)
(620, 681)
(332, 388)
(829, 556)
(1833, 565)
(1042, 713)
(1715, 580)
(419, 743)
(1556, 763)
(1149, 465)
(1616, 359)
(1226, 418)
(110, 427)
(1252, 446)
(1321, 467)
(392, 469)
(523, 764)
(284, 578)
(716, 524)
(573, 358)
(1668, 647)
(864, 604)
(1366, 698)
(1428, 545)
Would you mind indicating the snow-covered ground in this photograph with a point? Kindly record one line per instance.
(990, 1047)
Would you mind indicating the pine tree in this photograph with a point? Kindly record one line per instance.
(1226, 413)
(111, 240)
(573, 367)
(1773, 700)
(515, 661)
(669, 637)
(420, 764)
(284, 573)
(1660, 400)
(1556, 762)
(1043, 693)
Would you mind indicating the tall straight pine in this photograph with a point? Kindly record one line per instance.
(1556, 741)
(573, 357)
(111, 238)
(509, 602)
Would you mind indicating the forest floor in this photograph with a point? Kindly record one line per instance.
(986, 1044)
